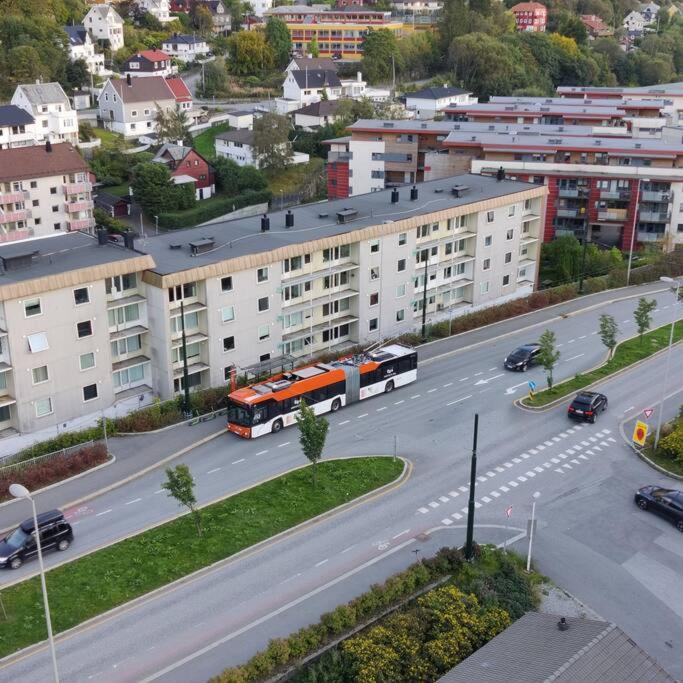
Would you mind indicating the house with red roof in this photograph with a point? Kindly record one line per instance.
(187, 165)
(530, 16)
(149, 63)
(181, 92)
(596, 26)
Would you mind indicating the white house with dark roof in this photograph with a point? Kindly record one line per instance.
(320, 63)
(17, 127)
(427, 103)
(105, 25)
(149, 63)
(159, 9)
(238, 145)
(82, 47)
(185, 48)
(317, 114)
(55, 120)
(305, 86)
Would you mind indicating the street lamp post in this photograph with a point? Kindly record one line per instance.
(156, 225)
(536, 496)
(670, 280)
(633, 232)
(19, 491)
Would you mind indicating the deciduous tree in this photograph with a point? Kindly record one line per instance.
(312, 434)
(180, 485)
(548, 354)
(277, 35)
(608, 332)
(271, 141)
(643, 315)
(380, 51)
(250, 53)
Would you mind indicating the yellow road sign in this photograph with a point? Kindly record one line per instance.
(640, 433)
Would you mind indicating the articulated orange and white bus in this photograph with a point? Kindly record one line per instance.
(269, 406)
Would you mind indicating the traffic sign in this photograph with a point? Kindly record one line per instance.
(532, 384)
(508, 511)
(640, 433)
(647, 412)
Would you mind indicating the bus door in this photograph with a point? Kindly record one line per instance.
(352, 383)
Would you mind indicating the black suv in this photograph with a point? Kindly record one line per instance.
(55, 534)
(586, 406)
(522, 357)
(665, 502)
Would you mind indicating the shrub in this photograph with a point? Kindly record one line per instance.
(595, 284)
(63, 440)
(671, 446)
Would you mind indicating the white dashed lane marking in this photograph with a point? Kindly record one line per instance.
(104, 512)
(135, 500)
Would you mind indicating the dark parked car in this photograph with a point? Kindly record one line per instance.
(665, 502)
(586, 406)
(20, 545)
(522, 357)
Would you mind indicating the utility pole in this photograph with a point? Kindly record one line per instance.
(186, 375)
(469, 550)
(424, 300)
(583, 253)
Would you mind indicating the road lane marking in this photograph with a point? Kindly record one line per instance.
(533, 451)
(571, 341)
(538, 469)
(397, 403)
(135, 500)
(433, 504)
(477, 504)
(423, 510)
(491, 369)
(215, 469)
(237, 462)
(583, 336)
(521, 478)
(563, 435)
(464, 379)
(490, 474)
(360, 417)
(486, 499)
(402, 533)
(525, 455)
(482, 479)
(546, 465)
(463, 488)
(443, 499)
(104, 512)
(448, 384)
(431, 391)
(262, 452)
(556, 439)
(344, 422)
(476, 374)
(321, 563)
(415, 396)
(574, 357)
(282, 445)
(592, 333)
(446, 521)
(504, 489)
(531, 474)
(548, 443)
(453, 494)
(516, 460)
(540, 447)
(495, 494)
(291, 578)
(507, 464)
(464, 511)
(500, 469)
(159, 491)
(459, 400)
(379, 410)
(346, 550)
(456, 515)
(513, 484)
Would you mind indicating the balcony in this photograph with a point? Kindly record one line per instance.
(12, 197)
(80, 224)
(77, 188)
(654, 216)
(14, 216)
(615, 194)
(645, 196)
(650, 236)
(83, 205)
(333, 157)
(612, 215)
(569, 213)
(570, 192)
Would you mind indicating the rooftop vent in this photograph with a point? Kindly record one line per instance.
(129, 82)
(175, 245)
(438, 190)
(289, 219)
(388, 124)
(500, 174)
(48, 146)
(323, 214)
(265, 223)
(598, 142)
(102, 237)
(129, 239)
(394, 196)
(413, 193)
(562, 624)
(423, 125)
(459, 190)
(18, 260)
(202, 245)
(346, 215)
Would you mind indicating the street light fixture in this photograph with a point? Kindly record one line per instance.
(672, 281)
(536, 496)
(19, 491)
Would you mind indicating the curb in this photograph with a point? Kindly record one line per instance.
(22, 654)
(559, 401)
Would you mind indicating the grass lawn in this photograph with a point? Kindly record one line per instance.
(115, 575)
(673, 466)
(292, 178)
(627, 353)
(119, 190)
(110, 140)
(204, 142)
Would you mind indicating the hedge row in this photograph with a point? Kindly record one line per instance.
(58, 443)
(214, 207)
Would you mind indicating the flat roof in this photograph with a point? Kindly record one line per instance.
(662, 89)
(581, 111)
(233, 239)
(578, 102)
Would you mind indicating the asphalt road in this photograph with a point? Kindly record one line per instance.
(591, 538)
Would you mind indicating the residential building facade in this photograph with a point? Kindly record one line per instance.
(429, 102)
(82, 47)
(54, 118)
(185, 161)
(530, 16)
(159, 9)
(238, 145)
(17, 127)
(306, 86)
(149, 63)
(186, 48)
(105, 26)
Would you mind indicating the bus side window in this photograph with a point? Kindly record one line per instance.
(405, 364)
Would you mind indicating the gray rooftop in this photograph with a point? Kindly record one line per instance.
(537, 108)
(576, 101)
(234, 239)
(244, 136)
(534, 650)
(11, 115)
(654, 90)
(437, 93)
(44, 93)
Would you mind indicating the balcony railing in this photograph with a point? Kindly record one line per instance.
(339, 156)
(654, 216)
(77, 188)
(14, 216)
(650, 196)
(569, 192)
(614, 194)
(15, 235)
(81, 224)
(83, 205)
(12, 197)
(615, 215)
(650, 236)
(568, 213)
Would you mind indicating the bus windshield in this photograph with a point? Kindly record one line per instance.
(239, 414)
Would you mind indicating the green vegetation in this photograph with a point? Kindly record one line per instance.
(415, 642)
(627, 353)
(306, 178)
(153, 189)
(130, 568)
(204, 143)
(669, 453)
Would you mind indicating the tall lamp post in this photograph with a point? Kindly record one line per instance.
(536, 496)
(633, 232)
(19, 491)
(677, 288)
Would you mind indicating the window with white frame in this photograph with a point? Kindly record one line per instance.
(227, 314)
(123, 315)
(400, 291)
(262, 274)
(191, 322)
(400, 315)
(193, 354)
(374, 298)
(37, 342)
(486, 264)
(484, 287)
(81, 296)
(401, 266)
(509, 234)
(263, 332)
(373, 324)
(132, 376)
(263, 304)
(374, 246)
(508, 257)
(228, 343)
(490, 216)
(86, 361)
(488, 240)
(402, 238)
(39, 374)
(506, 280)
(511, 210)
(180, 292)
(121, 283)
(43, 407)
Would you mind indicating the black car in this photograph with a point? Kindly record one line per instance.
(665, 502)
(586, 406)
(522, 357)
(20, 545)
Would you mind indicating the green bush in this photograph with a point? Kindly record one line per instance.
(671, 446)
(64, 440)
(595, 284)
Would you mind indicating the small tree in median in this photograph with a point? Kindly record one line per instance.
(180, 485)
(643, 315)
(312, 434)
(608, 332)
(548, 355)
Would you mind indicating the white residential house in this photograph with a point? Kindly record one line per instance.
(148, 63)
(129, 106)
(635, 23)
(185, 48)
(649, 11)
(427, 103)
(55, 120)
(260, 7)
(312, 63)
(238, 145)
(240, 119)
(82, 47)
(105, 25)
(17, 127)
(305, 86)
(316, 115)
(159, 9)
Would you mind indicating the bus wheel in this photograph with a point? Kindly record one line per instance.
(389, 387)
(336, 405)
(277, 426)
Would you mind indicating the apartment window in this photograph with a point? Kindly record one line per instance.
(373, 324)
(509, 234)
(490, 216)
(449, 248)
(55, 208)
(402, 238)
(263, 304)
(123, 314)
(484, 287)
(90, 392)
(228, 343)
(374, 246)
(262, 274)
(488, 240)
(43, 407)
(401, 265)
(527, 204)
(226, 283)
(33, 184)
(511, 210)
(180, 292)
(32, 307)
(53, 190)
(343, 251)
(227, 314)
(487, 264)
(294, 319)
(39, 375)
(121, 283)
(193, 353)
(86, 361)
(374, 298)
(57, 226)
(423, 231)
(84, 329)
(291, 264)
(134, 112)
(506, 280)
(400, 315)
(35, 202)
(227, 372)
(263, 332)
(522, 273)
(37, 342)
(508, 257)
(400, 291)
(191, 322)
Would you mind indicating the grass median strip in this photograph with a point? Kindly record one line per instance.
(130, 568)
(627, 353)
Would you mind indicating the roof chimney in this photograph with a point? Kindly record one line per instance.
(48, 146)
(500, 174)
(289, 219)
(562, 624)
(413, 193)
(129, 81)
(394, 196)
(265, 223)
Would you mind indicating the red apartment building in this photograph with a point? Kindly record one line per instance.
(530, 16)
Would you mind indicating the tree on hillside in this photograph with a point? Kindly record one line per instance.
(180, 485)
(277, 35)
(608, 332)
(548, 354)
(232, 179)
(150, 187)
(202, 19)
(215, 78)
(312, 434)
(271, 141)
(380, 51)
(643, 315)
(250, 53)
(173, 126)
(560, 259)
(76, 74)
(313, 49)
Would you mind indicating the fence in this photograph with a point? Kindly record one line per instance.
(9, 466)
